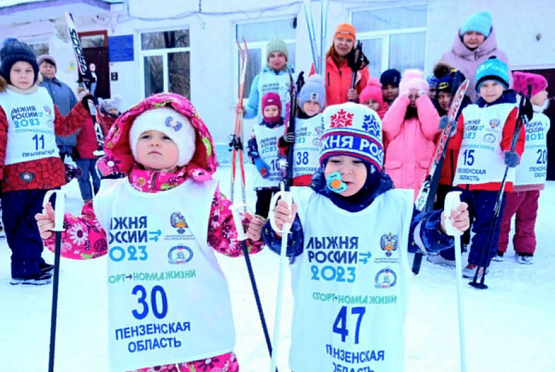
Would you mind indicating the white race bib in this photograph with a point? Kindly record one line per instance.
(532, 169)
(267, 141)
(31, 133)
(350, 284)
(307, 145)
(168, 297)
(481, 158)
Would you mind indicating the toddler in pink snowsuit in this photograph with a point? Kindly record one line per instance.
(169, 309)
(530, 175)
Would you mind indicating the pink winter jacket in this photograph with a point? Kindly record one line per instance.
(410, 142)
(467, 61)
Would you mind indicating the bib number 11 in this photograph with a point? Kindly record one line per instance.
(340, 324)
(38, 139)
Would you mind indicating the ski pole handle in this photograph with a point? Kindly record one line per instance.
(452, 202)
(235, 211)
(288, 198)
(59, 208)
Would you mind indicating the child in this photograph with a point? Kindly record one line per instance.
(530, 175)
(432, 83)
(110, 106)
(372, 97)
(274, 77)
(308, 129)
(29, 161)
(264, 153)
(390, 80)
(483, 137)
(410, 128)
(349, 246)
(163, 222)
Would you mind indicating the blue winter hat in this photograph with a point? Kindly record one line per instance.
(353, 130)
(432, 81)
(313, 90)
(492, 69)
(391, 77)
(14, 51)
(445, 84)
(479, 22)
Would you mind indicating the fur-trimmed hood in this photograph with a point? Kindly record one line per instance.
(119, 157)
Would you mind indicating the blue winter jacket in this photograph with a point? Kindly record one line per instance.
(431, 237)
(251, 110)
(65, 99)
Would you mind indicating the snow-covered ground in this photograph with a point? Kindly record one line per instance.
(510, 327)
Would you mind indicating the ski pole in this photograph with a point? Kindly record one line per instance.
(287, 197)
(324, 27)
(58, 228)
(312, 36)
(242, 237)
(452, 201)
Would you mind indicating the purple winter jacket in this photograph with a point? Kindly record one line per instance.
(467, 61)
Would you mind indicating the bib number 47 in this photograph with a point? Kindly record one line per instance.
(340, 324)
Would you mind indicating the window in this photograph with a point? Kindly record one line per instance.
(165, 62)
(39, 48)
(257, 36)
(393, 37)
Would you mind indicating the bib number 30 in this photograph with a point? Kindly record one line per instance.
(159, 310)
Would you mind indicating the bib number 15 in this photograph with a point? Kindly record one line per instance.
(469, 157)
(340, 324)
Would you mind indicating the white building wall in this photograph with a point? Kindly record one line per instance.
(212, 41)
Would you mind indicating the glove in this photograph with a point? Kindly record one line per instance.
(526, 109)
(262, 168)
(444, 121)
(511, 159)
(75, 154)
(289, 137)
(85, 97)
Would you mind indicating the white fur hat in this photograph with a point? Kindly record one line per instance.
(111, 103)
(172, 124)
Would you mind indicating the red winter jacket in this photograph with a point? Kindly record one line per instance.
(45, 173)
(338, 81)
(86, 140)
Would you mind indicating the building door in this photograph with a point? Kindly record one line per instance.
(549, 74)
(95, 48)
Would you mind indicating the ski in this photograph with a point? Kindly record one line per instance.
(323, 35)
(87, 79)
(312, 36)
(426, 196)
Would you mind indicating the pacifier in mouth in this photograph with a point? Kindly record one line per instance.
(335, 184)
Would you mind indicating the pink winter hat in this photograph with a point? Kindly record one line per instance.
(521, 80)
(413, 79)
(373, 90)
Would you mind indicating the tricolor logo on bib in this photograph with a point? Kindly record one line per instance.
(180, 255)
(385, 278)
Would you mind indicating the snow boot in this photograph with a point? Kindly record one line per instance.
(499, 257)
(470, 270)
(37, 279)
(438, 260)
(524, 258)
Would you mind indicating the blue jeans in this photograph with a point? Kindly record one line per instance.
(88, 166)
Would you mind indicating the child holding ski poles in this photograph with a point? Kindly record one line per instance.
(530, 175)
(30, 164)
(274, 77)
(351, 230)
(308, 129)
(483, 137)
(264, 152)
(169, 302)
